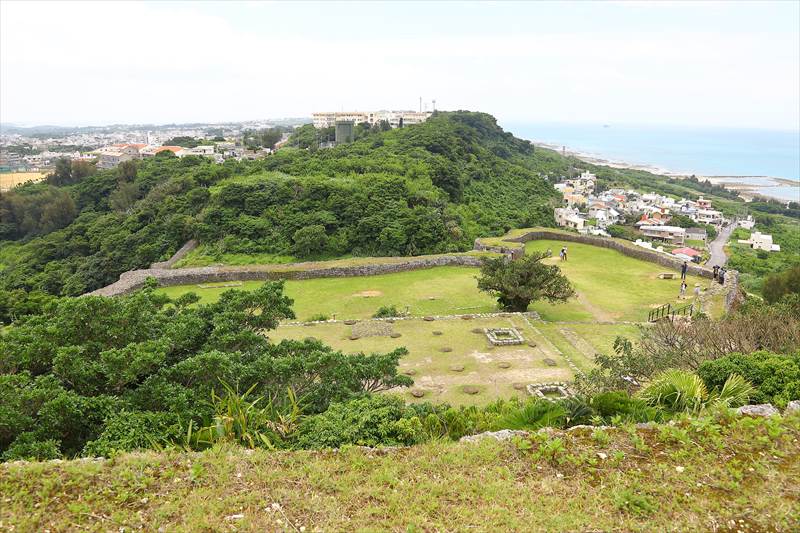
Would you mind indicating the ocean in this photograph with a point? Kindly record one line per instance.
(681, 150)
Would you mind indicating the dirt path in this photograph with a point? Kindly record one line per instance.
(599, 314)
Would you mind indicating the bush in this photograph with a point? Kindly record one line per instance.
(319, 317)
(366, 421)
(128, 431)
(386, 311)
(776, 377)
(28, 447)
(609, 405)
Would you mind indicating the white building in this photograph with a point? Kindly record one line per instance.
(761, 241)
(327, 119)
(671, 234)
(569, 218)
(708, 216)
(747, 223)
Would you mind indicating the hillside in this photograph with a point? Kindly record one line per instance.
(700, 474)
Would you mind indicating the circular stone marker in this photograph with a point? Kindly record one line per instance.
(354, 337)
(395, 335)
(478, 331)
(437, 333)
(457, 368)
(350, 322)
(504, 364)
(446, 349)
(549, 362)
(428, 318)
(518, 386)
(470, 389)
(532, 344)
(467, 317)
(410, 372)
(416, 393)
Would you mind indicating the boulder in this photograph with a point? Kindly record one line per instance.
(502, 435)
(417, 393)
(760, 410)
(793, 407)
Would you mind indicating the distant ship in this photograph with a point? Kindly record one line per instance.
(606, 126)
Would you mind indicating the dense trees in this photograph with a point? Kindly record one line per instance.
(517, 283)
(84, 369)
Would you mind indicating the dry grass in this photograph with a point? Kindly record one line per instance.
(740, 475)
(9, 180)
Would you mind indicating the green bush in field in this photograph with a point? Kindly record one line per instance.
(386, 311)
(127, 431)
(28, 446)
(367, 421)
(776, 377)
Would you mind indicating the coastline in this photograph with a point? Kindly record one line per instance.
(747, 190)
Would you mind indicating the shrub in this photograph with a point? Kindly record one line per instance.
(319, 317)
(27, 446)
(776, 377)
(366, 421)
(533, 415)
(128, 431)
(609, 405)
(386, 311)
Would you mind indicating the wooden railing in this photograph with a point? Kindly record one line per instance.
(668, 311)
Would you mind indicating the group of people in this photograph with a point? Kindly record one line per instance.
(719, 274)
(563, 253)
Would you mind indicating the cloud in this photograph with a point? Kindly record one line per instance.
(139, 62)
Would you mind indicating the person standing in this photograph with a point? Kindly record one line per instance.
(683, 290)
(721, 276)
(716, 272)
(684, 268)
(565, 253)
(561, 253)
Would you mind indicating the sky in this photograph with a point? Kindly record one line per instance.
(720, 64)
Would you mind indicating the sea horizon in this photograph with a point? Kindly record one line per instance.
(754, 156)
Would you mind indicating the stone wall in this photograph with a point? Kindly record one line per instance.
(513, 252)
(177, 256)
(134, 279)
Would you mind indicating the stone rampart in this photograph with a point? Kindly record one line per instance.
(177, 256)
(134, 279)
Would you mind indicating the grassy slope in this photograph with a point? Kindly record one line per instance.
(620, 287)
(690, 477)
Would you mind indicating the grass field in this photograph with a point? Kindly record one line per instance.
(8, 180)
(693, 476)
(492, 369)
(612, 286)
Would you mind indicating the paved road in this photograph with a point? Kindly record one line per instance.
(716, 246)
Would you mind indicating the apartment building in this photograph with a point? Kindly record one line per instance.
(672, 234)
(327, 119)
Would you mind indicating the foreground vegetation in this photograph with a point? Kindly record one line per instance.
(708, 473)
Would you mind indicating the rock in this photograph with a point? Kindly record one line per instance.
(350, 322)
(395, 335)
(457, 368)
(428, 318)
(466, 317)
(437, 333)
(504, 364)
(470, 389)
(354, 337)
(417, 393)
(410, 372)
(518, 386)
(760, 410)
(446, 349)
(478, 330)
(502, 435)
(532, 344)
(549, 362)
(793, 407)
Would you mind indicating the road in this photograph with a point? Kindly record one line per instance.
(717, 246)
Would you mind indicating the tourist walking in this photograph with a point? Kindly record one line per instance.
(684, 268)
(683, 290)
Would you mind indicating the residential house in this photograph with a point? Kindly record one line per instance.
(688, 254)
(708, 216)
(569, 218)
(696, 234)
(761, 241)
(672, 234)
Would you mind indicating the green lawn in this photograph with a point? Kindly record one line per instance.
(613, 286)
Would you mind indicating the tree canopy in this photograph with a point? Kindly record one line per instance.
(518, 283)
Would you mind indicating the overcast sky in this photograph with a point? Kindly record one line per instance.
(731, 64)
